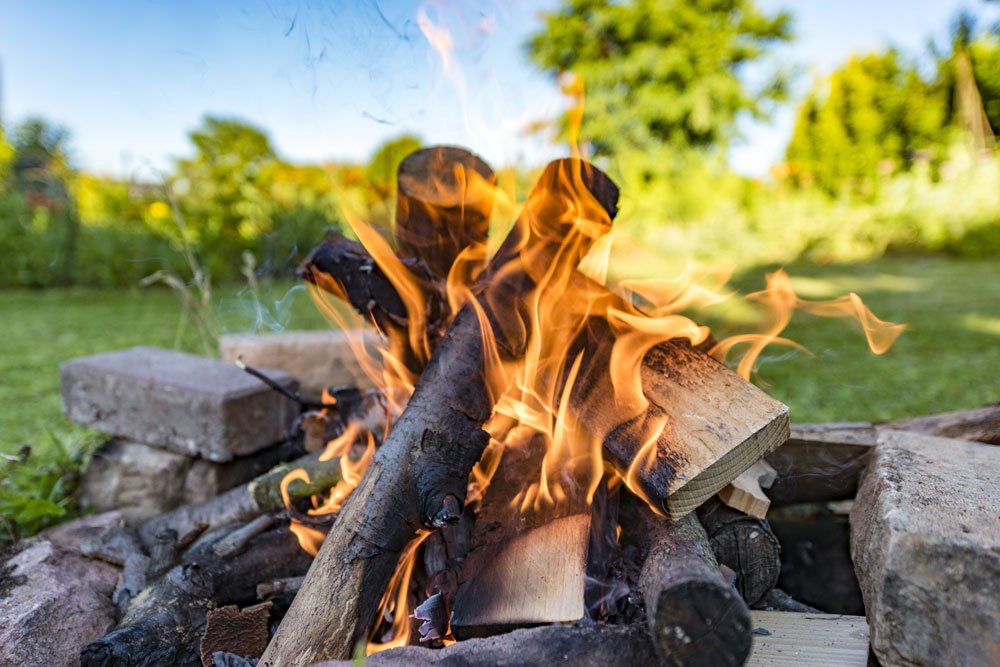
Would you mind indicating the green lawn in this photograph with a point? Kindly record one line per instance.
(948, 359)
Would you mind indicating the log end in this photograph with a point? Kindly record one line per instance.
(701, 623)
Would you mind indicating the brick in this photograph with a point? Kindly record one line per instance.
(925, 539)
(317, 358)
(185, 403)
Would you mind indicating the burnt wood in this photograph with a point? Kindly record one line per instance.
(744, 544)
(418, 476)
(694, 615)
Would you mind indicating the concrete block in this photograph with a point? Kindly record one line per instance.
(317, 358)
(182, 402)
(925, 540)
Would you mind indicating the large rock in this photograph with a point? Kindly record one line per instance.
(317, 358)
(53, 602)
(143, 481)
(925, 539)
(189, 404)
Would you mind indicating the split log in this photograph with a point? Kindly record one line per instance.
(820, 462)
(746, 545)
(443, 205)
(695, 617)
(717, 423)
(785, 639)
(979, 424)
(419, 475)
(581, 646)
(163, 625)
(246, 502)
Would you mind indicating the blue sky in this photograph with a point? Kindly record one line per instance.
(332, 80)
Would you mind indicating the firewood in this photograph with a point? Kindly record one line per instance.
(746, 545)
(577, 645)
(419, 475)
(820, 462)
(778, 600)
(277, 587)
(246, 502)
(443, 205)
(163, 625)
(717, 424)
(789, 639)
(745, 494)
(979, 424)
(694, 615)
(239, 631)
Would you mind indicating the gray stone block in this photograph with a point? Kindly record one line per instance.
(317, 358)
(925, 539)
(142, 481)
(188, 404)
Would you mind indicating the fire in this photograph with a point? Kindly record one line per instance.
(559, 247)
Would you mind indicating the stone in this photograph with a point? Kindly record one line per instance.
(925, 540)
(318, 359)
(142, 481)
(72, 534)
(53, 602)
(182, 402)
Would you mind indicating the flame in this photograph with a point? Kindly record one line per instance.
(395, 605)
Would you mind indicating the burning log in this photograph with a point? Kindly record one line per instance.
(163, 625)
(418, 477)
(443, 205)
(744, 544)
(694, 615)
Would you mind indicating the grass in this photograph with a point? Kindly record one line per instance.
(947, 359)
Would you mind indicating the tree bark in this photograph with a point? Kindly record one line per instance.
(744, 544)
(695, 617)
(418, 477)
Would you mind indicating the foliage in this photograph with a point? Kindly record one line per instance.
(38, 490)
(985, 56)
(662, 73)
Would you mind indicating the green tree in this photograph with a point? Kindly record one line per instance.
(6, 157)
(872, 115)
(222, 191)
(663, 72)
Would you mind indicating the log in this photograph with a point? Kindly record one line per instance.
(717, 424)
(820, 462)
(695, 617)
(980, 424)
(419, 475)
(246, 502)
(580, 646)
(443, 205)
(163, 625)
(789, 639)
(746, 545)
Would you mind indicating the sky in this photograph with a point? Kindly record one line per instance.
(331, 80)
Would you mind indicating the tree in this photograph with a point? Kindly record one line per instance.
(664, 72)
(873, 114)
(6, 157)
(222, 192)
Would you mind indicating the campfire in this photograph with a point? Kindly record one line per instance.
(530, 446)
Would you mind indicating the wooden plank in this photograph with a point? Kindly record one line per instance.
(745, 494)
(717, 425)
(537, 577)
(816, 640)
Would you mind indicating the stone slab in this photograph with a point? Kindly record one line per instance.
(317, 358)
(925, 540)
(189, 404)
(53, 602)
(143, 481)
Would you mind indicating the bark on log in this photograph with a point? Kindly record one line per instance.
(744, 544)
(580, 646)
(443, 205)
(245, 502)
(419, 475)
(163, 625)
(695, 617)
